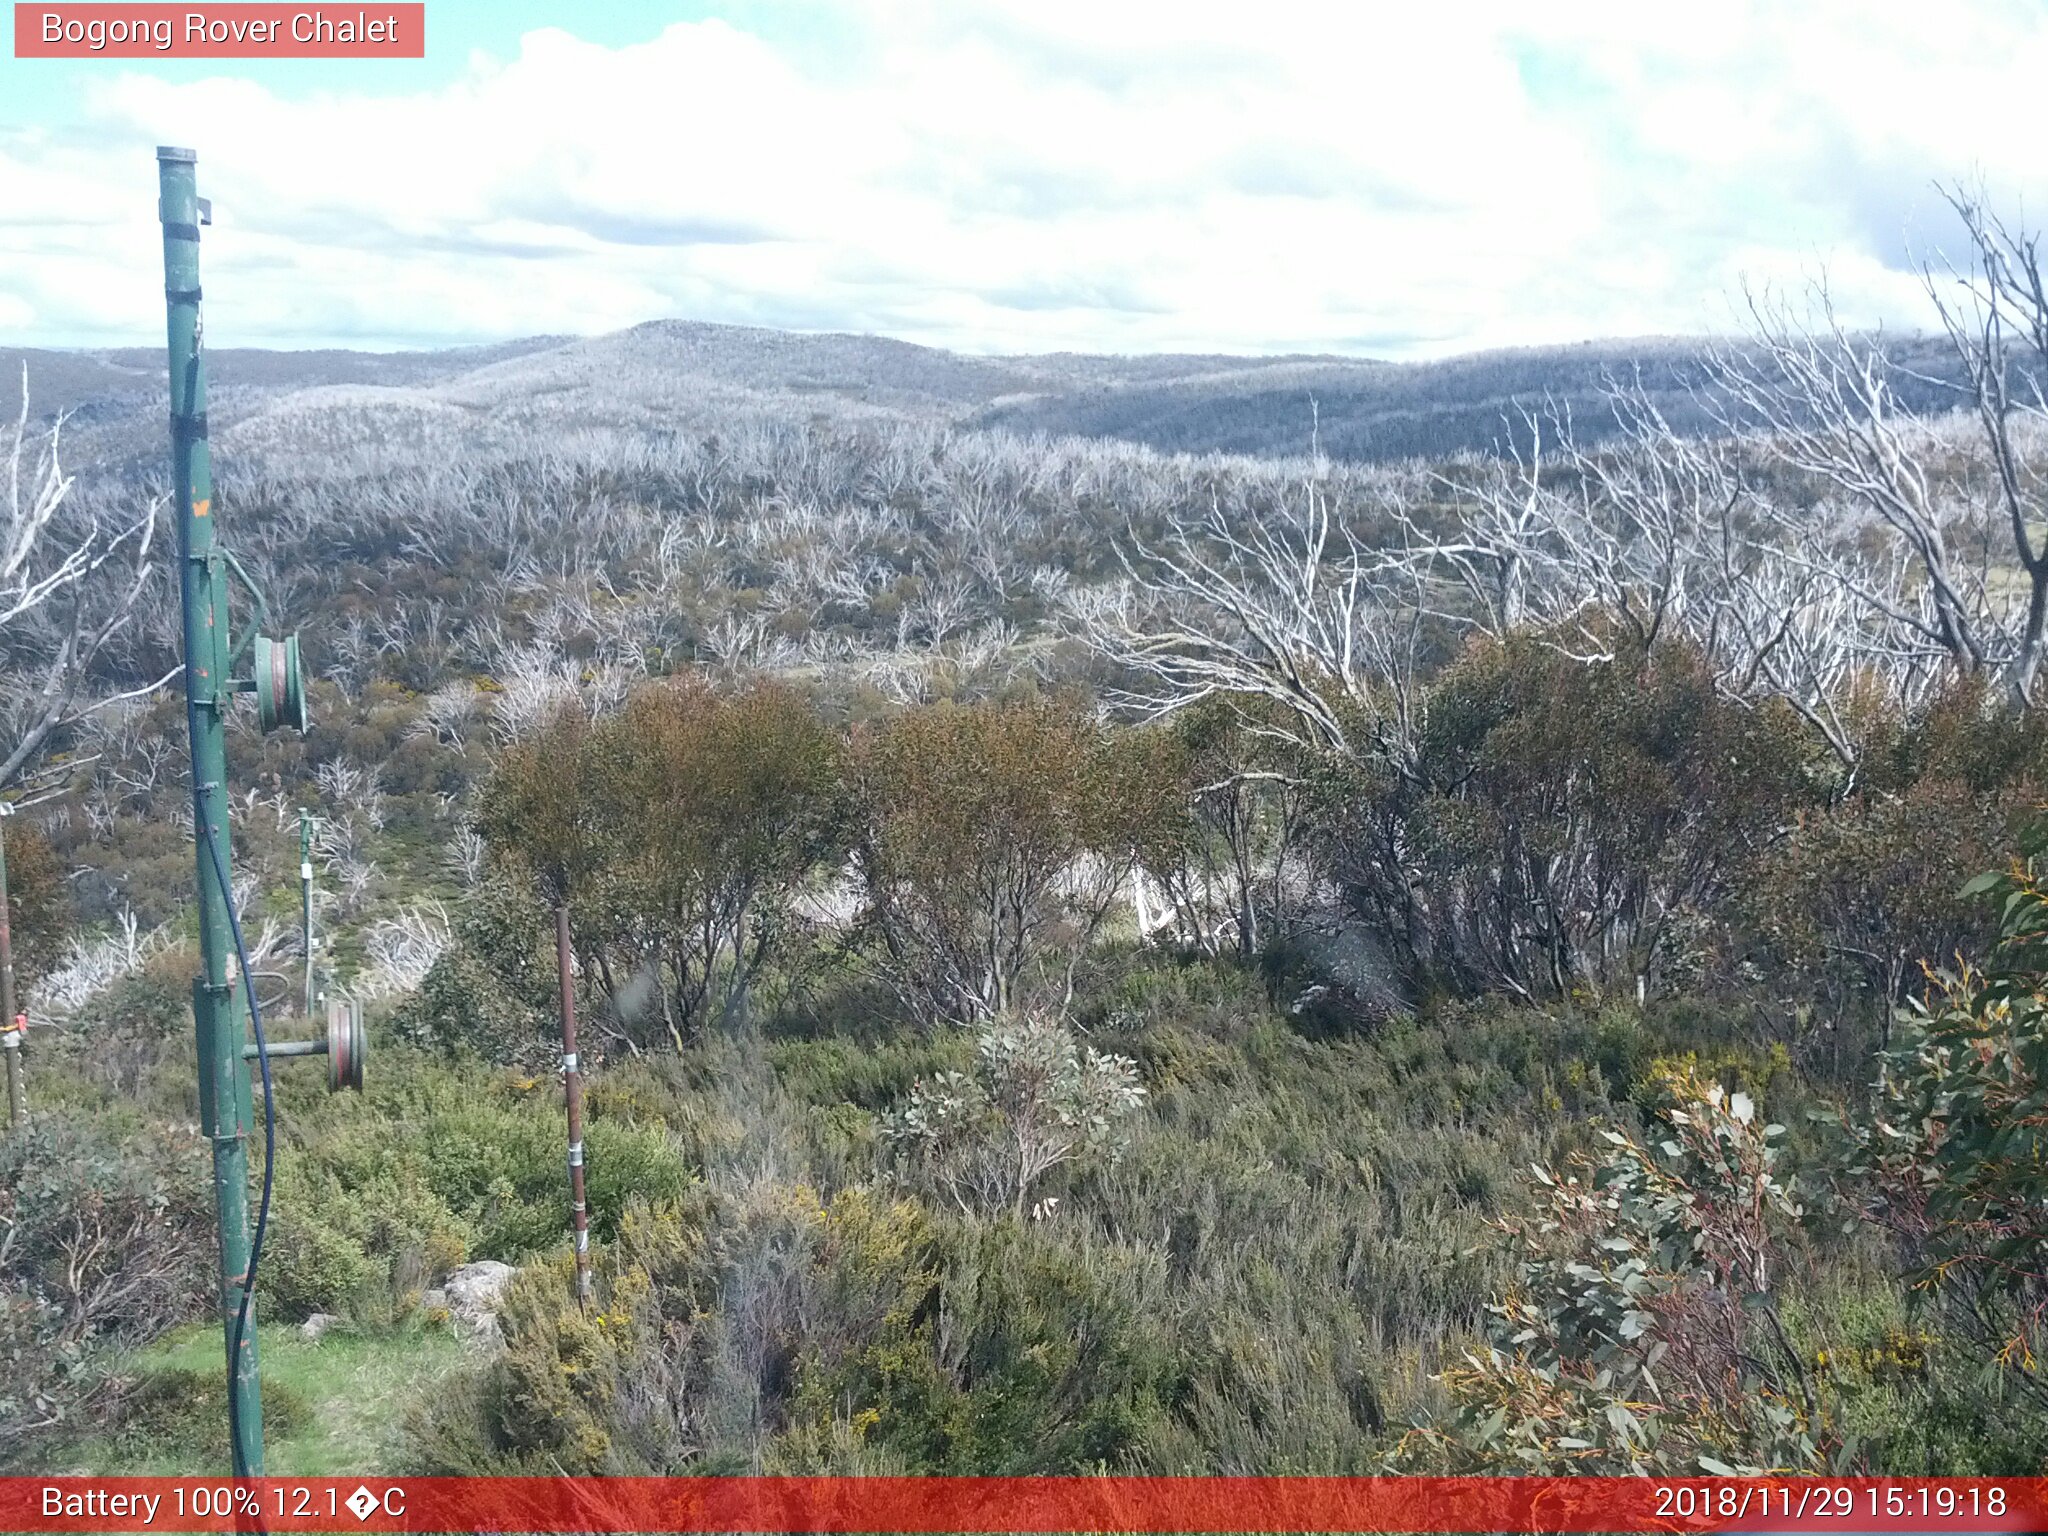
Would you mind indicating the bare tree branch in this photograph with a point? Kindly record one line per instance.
(69, 579)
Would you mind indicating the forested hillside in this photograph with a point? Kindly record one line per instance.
(670, 374)
(1350, 953)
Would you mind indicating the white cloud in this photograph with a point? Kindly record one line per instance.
(1060, 174)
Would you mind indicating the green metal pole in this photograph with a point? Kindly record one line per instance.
(306, 898)
(223, 1075)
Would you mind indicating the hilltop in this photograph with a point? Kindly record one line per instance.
(677, 373)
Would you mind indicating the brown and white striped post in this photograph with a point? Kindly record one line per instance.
(12, 1026)
(572, 1089)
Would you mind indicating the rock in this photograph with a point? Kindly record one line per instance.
(1344, 976)
(471, 1296)
(314, 1328)
(474, 1288)
(435, 1300)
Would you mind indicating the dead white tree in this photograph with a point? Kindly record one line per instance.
(1669, 540)
(1507, 517)
(1651, 535)
(69, 577)
(449, 714)
(400, 950)
(944, 605)
(1282, 605)
(1814, 398)
(1996, 309)
(1645, 514)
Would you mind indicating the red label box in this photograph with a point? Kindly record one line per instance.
(106, 29)
(1163, 1506)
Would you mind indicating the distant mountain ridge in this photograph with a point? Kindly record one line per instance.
(692, 374)
(93, 379)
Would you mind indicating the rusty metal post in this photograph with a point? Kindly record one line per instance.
(572, 1089)
(10, 1032)
(306, 899)
(17, 1093)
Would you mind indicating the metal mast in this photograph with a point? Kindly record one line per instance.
(202, 570)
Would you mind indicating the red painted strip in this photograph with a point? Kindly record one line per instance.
(106, 29)
(1028, 1504)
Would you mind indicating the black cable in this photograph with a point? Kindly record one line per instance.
(241, 1466)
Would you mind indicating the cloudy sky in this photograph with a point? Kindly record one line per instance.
(1349, 176)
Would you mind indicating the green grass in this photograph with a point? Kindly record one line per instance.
(330, 1409)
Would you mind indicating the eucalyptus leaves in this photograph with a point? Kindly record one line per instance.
(1037, 1098)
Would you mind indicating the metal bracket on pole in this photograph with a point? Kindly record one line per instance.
(276, 678)
(261, 619)
(344, 1045)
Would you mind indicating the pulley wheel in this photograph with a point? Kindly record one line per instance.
(346, 1047)
(280, 685)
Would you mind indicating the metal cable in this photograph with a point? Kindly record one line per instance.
(241, 1466)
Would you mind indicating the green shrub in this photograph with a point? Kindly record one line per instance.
(990, 843)
(785, 1332)
(1054, 1359)
(39, 904)
(1643, 1333)
(105, 1240)
(181, 1416)
(1037, 1099)
(1864, 892)
(1564, 822)
(869, 1075)
(492, 991)
(677, 901)
(1953, 1159)
(715, 1321)
(364, 1219)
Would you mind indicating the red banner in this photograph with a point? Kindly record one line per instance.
(1033, 1504)
(238, 31)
